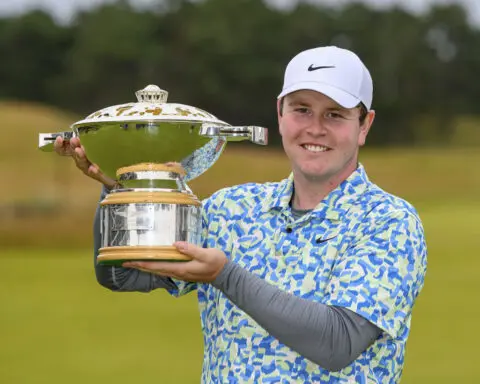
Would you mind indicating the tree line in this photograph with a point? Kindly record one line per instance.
(228, 58)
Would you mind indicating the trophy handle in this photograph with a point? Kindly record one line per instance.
(45, 140)
(257, 135)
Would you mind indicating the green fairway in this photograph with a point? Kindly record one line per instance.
(59, 326)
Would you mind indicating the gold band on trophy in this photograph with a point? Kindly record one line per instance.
(146, 167)
(141, 253)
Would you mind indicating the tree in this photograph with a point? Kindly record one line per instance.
(228, 58)
(32, 49)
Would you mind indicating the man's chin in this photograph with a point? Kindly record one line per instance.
(315, 175)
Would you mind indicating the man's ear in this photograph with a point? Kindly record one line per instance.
(279, 108)
(365, 127)
(279, 114)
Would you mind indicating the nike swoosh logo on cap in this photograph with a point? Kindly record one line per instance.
(313, 68)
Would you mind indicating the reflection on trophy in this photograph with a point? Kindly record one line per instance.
(152, 148)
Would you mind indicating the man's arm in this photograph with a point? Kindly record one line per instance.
(331, 337)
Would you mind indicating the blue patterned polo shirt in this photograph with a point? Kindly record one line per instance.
(360, 248)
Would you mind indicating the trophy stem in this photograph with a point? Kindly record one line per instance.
(152, 175)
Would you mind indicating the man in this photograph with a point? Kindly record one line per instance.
(311, 279)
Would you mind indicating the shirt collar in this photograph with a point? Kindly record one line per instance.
(334, 205)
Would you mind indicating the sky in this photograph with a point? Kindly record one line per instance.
(63, 10)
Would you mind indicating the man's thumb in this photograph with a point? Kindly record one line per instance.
(189, 249)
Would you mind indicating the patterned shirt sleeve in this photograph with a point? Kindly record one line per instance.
(382, 271)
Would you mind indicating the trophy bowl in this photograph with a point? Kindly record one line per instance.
(152, 148)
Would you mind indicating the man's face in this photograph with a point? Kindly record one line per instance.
(320, 137)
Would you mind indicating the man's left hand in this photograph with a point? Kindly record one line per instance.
(205, 266)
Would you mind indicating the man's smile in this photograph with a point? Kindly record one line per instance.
(315, 148)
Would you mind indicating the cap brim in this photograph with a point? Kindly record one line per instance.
(345, 99)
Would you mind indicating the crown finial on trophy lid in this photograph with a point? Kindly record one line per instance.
(152, 94)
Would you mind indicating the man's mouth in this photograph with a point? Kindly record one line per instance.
(315, 148)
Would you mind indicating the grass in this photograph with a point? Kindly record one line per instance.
(442, 346)
(58, 325)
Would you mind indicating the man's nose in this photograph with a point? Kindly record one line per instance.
(318, 127)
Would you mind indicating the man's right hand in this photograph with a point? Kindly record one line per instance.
(74, 149)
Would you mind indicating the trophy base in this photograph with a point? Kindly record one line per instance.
(119, 255)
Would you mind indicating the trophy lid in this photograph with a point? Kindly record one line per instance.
(151, 106)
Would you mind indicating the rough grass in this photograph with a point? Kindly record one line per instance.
(419, 174)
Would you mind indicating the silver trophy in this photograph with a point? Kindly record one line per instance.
(152, 148)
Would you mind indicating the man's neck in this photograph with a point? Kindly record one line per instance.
(308, 193)
(309, 196)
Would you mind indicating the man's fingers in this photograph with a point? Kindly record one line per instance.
(75, 142)
(205, 265)
(95, 173)
(74, 148)
(195, 252)
(81, 160)
(66, 147)
(58, 144)
(79, 152)
(62, 147)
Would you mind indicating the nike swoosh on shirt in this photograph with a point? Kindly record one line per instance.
(320, 240)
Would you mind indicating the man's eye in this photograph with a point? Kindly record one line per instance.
(333, 115)
(301, 110)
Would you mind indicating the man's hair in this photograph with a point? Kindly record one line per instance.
(363, 113)
(362, 117)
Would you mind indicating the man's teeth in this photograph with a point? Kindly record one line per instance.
(315, 148)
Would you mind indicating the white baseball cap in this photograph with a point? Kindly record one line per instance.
(335, 72)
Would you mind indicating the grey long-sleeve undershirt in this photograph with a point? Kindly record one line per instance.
(329, 336)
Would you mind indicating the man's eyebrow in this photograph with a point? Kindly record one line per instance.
(297, 102)
(341, 109)
(303, 103)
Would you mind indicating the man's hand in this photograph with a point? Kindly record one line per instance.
(205, 266)
(74, 149)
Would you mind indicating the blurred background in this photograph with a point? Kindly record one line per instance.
(60, 61)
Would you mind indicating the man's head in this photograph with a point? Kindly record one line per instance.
(324, 112)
